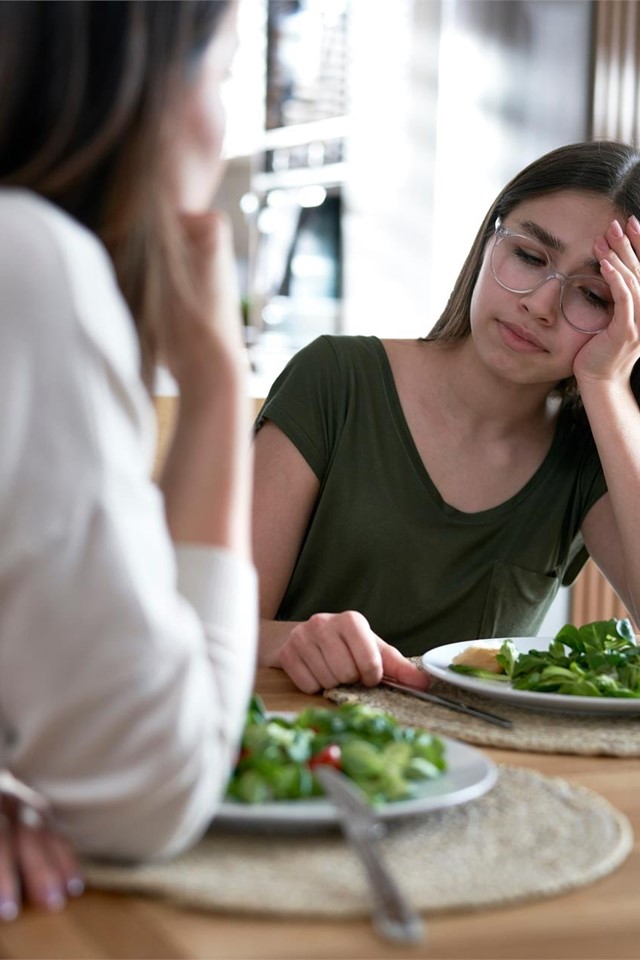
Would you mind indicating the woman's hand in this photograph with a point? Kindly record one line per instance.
(206, 478)
(203, 323)
(333, 648)
(37, 865)
(611, 354)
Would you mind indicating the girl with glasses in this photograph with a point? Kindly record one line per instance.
(128, 618)
(412, 493)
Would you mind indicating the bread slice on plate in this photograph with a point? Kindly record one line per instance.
(481, 657)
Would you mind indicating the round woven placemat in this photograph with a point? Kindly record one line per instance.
(534, 730)
(530, 837)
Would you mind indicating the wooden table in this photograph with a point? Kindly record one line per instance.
(601, 921)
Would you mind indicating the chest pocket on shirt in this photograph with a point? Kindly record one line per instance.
(517, 601)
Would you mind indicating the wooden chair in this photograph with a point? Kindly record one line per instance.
(166, 415)
(593, 599)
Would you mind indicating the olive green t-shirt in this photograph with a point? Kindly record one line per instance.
(382, 541)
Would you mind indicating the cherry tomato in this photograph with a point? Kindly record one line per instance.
(331, 756)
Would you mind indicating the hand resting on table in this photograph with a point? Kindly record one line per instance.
(37, 865)
(333, 648)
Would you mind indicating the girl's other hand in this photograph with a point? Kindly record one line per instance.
(612, 353)
(333, 648)
(37, 865)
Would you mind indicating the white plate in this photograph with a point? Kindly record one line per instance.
(469, 774)
(437, 661)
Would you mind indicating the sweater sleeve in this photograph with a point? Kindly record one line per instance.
(125, 664)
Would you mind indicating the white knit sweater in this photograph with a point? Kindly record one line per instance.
(125, 663)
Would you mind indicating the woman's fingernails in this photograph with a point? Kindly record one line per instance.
(601, 245)
(634, 223)
(75, 886)
(54, 900)
(8, 910)
(616, 229)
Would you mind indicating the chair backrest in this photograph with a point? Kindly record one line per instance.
(166, 415)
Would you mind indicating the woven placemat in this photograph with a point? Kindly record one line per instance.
(530, 837)
(533, 730)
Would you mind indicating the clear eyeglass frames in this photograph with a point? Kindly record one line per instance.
(521, 264)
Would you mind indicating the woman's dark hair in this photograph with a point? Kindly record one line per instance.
(85, 90)
(602, 167)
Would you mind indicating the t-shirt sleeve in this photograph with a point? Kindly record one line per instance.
(306, 402)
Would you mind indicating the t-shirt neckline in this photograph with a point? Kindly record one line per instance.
(408, 443)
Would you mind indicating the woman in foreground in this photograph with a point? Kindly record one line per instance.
(410, 493)
(128, 615)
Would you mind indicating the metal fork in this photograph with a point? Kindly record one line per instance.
(392, 917)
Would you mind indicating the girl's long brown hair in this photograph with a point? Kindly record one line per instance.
(603, 167)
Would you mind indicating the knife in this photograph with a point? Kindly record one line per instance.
(392, 917)
(445, 702)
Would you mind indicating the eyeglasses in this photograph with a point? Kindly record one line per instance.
(521, 265)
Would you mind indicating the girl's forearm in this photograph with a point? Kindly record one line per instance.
(614, 418)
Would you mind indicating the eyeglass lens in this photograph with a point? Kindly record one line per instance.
(521, 265)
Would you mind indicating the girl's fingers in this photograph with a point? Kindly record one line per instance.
(302, 660)
(624, 282)
(613, 273)
(633, 232)
(626, 299)
(622, 248)
(402, 669)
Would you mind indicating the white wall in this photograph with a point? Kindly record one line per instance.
(513, 83)
(387, 228)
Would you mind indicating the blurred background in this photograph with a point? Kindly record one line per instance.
(367, 139)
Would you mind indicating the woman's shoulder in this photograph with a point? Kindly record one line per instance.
(40, 240)
(44, 239)
(26, 216)
(52, 266)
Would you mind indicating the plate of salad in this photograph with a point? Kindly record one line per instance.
(402, 770)
(591, 669)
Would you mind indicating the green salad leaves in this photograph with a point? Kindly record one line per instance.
(600, 659)
(387, 760)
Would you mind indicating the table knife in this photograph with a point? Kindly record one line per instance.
(445, 702)
(392, 917)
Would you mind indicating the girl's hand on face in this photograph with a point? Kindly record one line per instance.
(612, 353)
(333, 648)
(204, 325)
